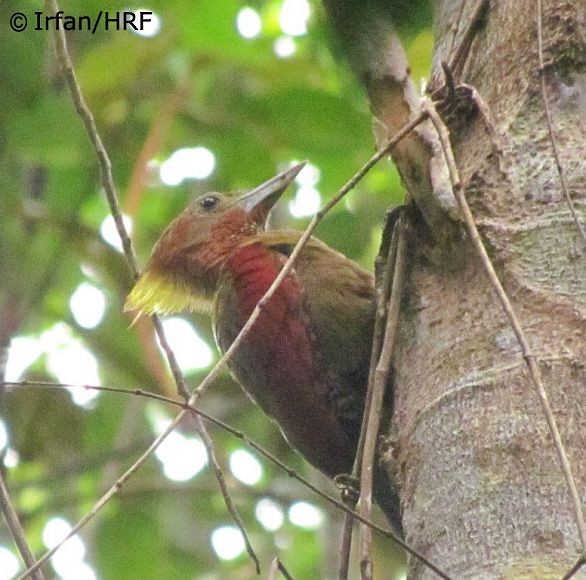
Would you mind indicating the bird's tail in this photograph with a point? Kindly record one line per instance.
(386, 496)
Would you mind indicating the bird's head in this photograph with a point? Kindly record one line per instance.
(183, 269)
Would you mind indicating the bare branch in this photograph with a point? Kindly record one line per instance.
(16, 531)
(380, 377)
(107, 181)
(208, 443)
(112, 197)
(378, 333)
(6, 506)
(186, 407)
(108, 495)
(276, 567)
(105, 172)
(213, 374)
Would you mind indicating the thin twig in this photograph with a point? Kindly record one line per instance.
(207, 441)
(513, 320)
(378, 333)
(6, 506)
(284, 570)
(213, 374)
(186, 407)
(575, 568)
(107, 181)
(15, 528)
(112, 197)
(107, 496)
(273, 570)
(90, 125)
(318, 216)
(345, 547)
(381, 374)
(202, 431)
(459, 55)
(276, 567)
(549, 122)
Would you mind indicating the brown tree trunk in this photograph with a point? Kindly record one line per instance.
(483, 494)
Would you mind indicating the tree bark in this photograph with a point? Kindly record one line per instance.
(483, 493)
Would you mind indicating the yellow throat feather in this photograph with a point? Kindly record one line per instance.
(156, 293)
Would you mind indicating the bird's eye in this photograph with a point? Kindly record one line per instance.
(209, 202)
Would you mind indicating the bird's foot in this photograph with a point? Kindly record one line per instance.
(349, 487)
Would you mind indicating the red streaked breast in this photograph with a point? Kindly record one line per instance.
(253, 268)
(278, 364)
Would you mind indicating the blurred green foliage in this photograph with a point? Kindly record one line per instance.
(197, 83)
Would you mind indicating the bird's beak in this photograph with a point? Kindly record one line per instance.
(261, 199)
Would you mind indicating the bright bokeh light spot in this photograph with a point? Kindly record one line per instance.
(293, 17)
(309, 176)
(182, 457)
(245, 467)
(11, 458)
(284, 47)
(269, 514)
(88, 305)
(187, 163)
(191, 351)
(67, 359)
(228, 542)
(248, 22)
(158, 419)
(71, 362)
(149, 26)
(55, 530)
(88, 271)
(22, 353)
(306, 202)
(305, 515)
(68, 560)
(3, 435)
(69, 570)
(9, 564)
(109, 232)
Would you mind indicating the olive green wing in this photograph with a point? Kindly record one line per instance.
(340, 304)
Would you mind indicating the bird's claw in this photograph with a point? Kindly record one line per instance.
(349, 487)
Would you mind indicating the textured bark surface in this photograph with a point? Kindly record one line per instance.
(483, 493)
(482, 490)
